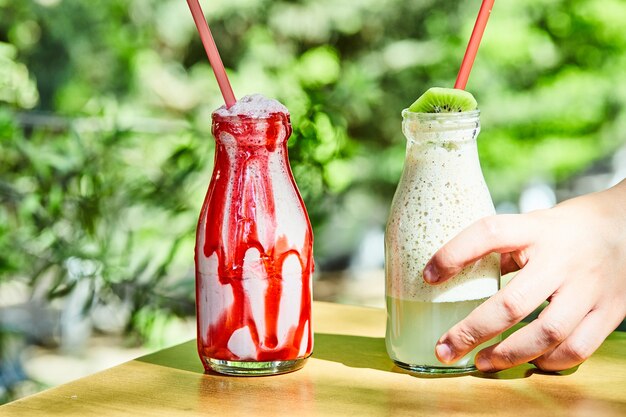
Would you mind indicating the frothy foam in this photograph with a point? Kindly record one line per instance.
(255, 106)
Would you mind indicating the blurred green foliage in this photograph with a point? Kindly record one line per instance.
(105, 117)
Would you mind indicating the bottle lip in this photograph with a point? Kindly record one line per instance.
(276, 117)
(443, 117)
(440, 127)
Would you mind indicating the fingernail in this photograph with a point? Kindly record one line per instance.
(431, 274)
(483, 364)
(444, 353)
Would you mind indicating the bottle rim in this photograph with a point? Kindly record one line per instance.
(432, 117)
(276, 117)
(433, 127)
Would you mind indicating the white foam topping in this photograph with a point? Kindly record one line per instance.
(254, 105)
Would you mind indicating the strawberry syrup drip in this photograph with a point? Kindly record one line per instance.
(248, 207)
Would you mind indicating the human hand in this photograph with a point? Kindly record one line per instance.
(573, 255)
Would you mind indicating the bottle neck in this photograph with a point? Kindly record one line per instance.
(248, 147)
(264, 133)
(441, 144)
(447, 130)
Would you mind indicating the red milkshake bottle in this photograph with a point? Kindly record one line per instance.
(254, 256)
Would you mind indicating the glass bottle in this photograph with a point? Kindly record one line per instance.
(254, 257)
(441, 191)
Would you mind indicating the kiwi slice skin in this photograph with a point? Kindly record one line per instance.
(444, 100)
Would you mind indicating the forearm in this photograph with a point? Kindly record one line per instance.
(618, 192)
(607, 206)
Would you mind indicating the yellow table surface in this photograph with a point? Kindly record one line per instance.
(349, 374)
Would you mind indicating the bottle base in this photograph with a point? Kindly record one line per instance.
(439, 370)
(253, 368)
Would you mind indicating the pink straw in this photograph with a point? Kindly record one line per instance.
(474, 42)
(212, 52)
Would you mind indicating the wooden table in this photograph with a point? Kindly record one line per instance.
(349, 374)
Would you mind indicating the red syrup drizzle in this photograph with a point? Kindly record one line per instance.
(249, 206)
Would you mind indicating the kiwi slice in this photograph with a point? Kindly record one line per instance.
(444, 100)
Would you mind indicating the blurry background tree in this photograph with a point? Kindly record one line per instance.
(105, 125)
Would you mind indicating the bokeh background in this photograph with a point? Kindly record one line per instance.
(106, 152)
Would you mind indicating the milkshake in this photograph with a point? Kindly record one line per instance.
(254, 257)
(441, 191)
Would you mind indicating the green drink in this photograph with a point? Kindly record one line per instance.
(414, 328)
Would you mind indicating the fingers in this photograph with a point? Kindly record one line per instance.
(502, 233)
(583, 341)
(513, 261)
(507, 307)
(508, 264)
(554, 325)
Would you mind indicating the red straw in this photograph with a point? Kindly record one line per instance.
(474, 42)
(211, 51)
